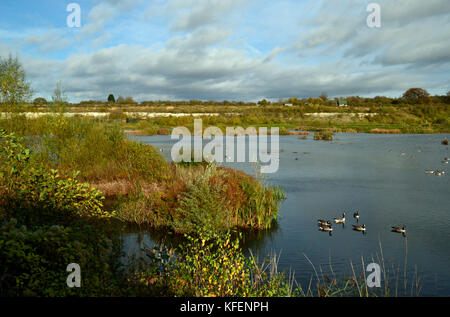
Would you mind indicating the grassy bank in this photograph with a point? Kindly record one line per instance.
(150, 190)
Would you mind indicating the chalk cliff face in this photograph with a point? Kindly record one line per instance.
(32, 115)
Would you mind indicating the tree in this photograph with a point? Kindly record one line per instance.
(129, 100)
(324, 96)
(39, 101)
(111, 98)
(14, 88)
(417, 95)
(262, 102)
(59, 94)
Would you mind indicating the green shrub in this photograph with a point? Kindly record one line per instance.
(47, 222)
(326, 136)
(33, 262)
(209, 265)
(202, 204)
(34, 196)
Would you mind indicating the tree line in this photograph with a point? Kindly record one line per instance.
(16, 90)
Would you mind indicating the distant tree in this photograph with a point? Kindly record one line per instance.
(262, 102)
(293, 101)
(39, 101)
(447, 98)
(324, 96)
(14, 88)
(59, 94)
(111, 98)
(129, 100)
(417, 95)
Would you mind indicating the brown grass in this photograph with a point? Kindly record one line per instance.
(302, 133)
(385, 131)
(134, 132)
(125, 187)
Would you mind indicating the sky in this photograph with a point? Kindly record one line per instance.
(241, 50)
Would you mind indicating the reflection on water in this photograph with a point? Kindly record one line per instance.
(382, 177)
(139, 239)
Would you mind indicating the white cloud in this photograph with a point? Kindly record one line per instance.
(209, 57)
(191, 14)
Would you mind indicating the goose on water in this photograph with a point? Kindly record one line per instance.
(399, 229)
(326, 229)
(359, 228)
(324, 222)
(340, 220)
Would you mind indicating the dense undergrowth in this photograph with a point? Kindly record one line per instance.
(50, 217)
(152, 191)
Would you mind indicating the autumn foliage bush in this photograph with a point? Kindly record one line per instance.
(48, 221)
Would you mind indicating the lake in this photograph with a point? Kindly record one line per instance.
(380, 176)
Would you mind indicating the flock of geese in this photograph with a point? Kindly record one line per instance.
(440, 172)
(325, 225)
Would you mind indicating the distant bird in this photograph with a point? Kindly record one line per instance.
(429, 171)
(446, 158)
(356, 215)
(439, 173)
(326, 229)
(324, 223)
(340, 220)
(444, 162)
(399, 229)
(359, 228)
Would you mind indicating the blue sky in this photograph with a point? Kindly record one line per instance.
(229, 49)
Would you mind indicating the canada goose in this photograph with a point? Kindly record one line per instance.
(429, 171)
(324, 223)
(444, 162)
(359, 228)
(326, 229)
(399, 229)
(340, 220)
(356, 215)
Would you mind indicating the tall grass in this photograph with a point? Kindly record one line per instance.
(153, 191)
(208, 196)
(392, 277)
